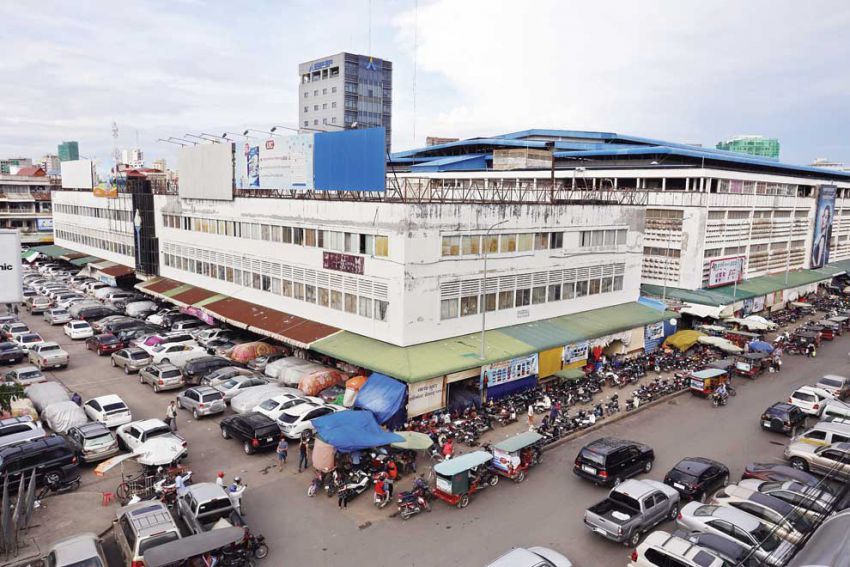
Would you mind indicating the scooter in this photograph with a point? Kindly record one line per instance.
(412, 502)
(358, 482)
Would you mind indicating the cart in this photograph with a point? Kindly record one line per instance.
(740, 338)
(704, 382)
(805, 337)
(461, 477)
(842, 320)
(514, 456)
(752, 364)
(836, 327)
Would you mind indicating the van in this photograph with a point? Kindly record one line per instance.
(826, 433)
(836, 409)
(140, 526)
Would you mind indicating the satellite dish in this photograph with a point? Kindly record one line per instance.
(674, 321)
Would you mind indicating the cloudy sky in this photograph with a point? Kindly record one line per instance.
(683, 70)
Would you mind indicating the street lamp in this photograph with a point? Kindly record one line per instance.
(137, 225)
(484, 284)
(200, 138)
(171, 142)
(183, 140)
(245, 133)
(232, 134)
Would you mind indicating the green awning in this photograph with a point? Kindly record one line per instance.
(85, 260)
(52, 250)
(570, 374)
(29, 255)
(438, 358)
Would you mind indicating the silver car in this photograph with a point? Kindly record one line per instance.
(130, 359)
(832, 461)
(75, 551)
(814, 503)
(162, 377)
(57, 316)
(238, 384)
(201, 401)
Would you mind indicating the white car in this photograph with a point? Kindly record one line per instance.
(176, 354)
(135, 433)
(76, 330)
(296, 420)
(110, 410)
(238, 384)
(28, 340)
(532, 557)
(157, 318)
(274, 407)
(810, 400)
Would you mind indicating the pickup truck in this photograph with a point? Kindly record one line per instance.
(48, 355)
(205, 504)
(632, 508)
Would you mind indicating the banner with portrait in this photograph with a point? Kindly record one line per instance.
(824, 216)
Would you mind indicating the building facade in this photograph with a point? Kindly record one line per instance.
(345, 91)
(753, 145)
(10, 166)
(25, 204)
(68, 151)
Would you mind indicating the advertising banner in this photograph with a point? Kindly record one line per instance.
(10, 267)
(758, 304)
(44, 225)
(725, 271)
(424, 397)
(508, 371)
(576, 352)
(824, 215)
(199, 313)
(254, 166)
(286, 163)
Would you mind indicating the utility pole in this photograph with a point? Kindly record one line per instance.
(484, 285)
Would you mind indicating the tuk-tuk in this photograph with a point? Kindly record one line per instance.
(713, 330)
(833, 327)
(514, 456)
(201, 547)
(805, 337)
(740, 338)
(824, 333)
(704, 382)
(725, 364)
(752, 364)
(803, 306)
(460, 477)
(842, 320)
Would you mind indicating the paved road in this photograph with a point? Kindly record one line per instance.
(545, 510)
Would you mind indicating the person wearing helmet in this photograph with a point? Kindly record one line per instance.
(235, 492)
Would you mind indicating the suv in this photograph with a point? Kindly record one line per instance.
(130, 359)
(838, 386)
(660, 549)
(810, 399)
(197, 368)
(297, 419)
(11, 353)
(92, 442)
(143, 525)
(832, 408)
(104, 343)
(16, 430)
(832, 461)
(255, 430)
(697, 477)
(782, 417)
(80, 550)
(609, 461)
(201, 400)
(52, 460)
(161, 377)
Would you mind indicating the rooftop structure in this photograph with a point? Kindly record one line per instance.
(753, 145)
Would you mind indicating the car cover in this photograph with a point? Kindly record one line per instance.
(381, 395)
(245, 401)
(46, 393)
(352, 431)
(62, 416)
(249, 351)
(316, 381)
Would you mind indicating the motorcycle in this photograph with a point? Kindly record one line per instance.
(358, 482)
(718, 400)
(412, 502)
(256, 545)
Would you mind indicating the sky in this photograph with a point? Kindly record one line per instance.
(683, 70)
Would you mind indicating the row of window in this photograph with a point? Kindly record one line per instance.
(475, 244)
(94, 212)
(316, 106)
(329, 73)
(348, 242)
(104, 241)
(732, 250)
(324, 121)
(332, 298)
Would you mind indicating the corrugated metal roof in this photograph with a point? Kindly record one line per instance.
(421, 362)
(453, 163)
(118, 271)
(52, 250)
(85, 260)
(158, 285)
(193, 295)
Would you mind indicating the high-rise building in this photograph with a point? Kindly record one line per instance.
(68, 151)
(50, 164)
(133, 157)
(25, 202)
(753, 145)
(346, 91)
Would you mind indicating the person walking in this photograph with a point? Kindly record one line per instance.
(171, 416)
(342, 497)
(530, 415)
(282, 451)
(302, 455)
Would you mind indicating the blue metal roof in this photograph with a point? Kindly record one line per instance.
(471, 142)
(467, 162)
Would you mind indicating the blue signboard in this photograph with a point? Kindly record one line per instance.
(350, 160)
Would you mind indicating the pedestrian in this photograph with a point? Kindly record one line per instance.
(448, 449)
(530, 415)
(219, 479)
(282, 451)
(342, 497)
(77, 399)
(171, 416)
(553, 411)
(302, 455)
(15, 308)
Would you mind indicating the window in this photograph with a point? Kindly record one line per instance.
(468, 305)
(324, 296)
(594, 286)
(382, 246)
(350, 303)
(491, 243)
(286, 234)
(365, 307)
(569, 290)
(661, 559)
(618, 283)
(541, 241)
(490, 302)
(310, 293)
(538, 295)
(471, 245)
(381, 308)
(506, 299)
(298, 236)
(306, 109)
(336, 300)
(298, 290)
(333, 89)
(581, 289)
(523, 297)
(556, 240)
(306, 94)
(607, 284)
(448, 309)
(451, 245)
(324, 91)
(554, 292)
(525, 242)
(310, 237)
(306, 122)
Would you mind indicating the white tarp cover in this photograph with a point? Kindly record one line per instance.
(62, 416)
(158, 451)
(698, 310)
(46, 393)
(277, 368)
(293, 376)
(245, 402)
(723, 344)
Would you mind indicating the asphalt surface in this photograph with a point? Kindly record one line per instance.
(547, 509)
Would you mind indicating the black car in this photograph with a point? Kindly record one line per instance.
(92, 314)
(11, 353)
(783, 417)
(53, 460)
(697, 477)
(195, 370)
(127, 335)
(608, 460)
(255, 430)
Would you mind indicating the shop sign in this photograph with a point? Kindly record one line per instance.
(10, 267)
(654, 331)
(423, 397)
(108, 280)
(343, 263)
(576, 352)
(508, 371)
(725, 271)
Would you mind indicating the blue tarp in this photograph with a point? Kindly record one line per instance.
(381, 395)
(760, 346)
(352, 431)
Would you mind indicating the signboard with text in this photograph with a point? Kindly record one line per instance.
(10, 267)
(423, 397)
(507, 371)
(343, 263)
(575, 352)
(725, 271)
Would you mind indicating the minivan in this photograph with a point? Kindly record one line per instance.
(54, 462)
(826, 433)
(140, 526)
(609, 461)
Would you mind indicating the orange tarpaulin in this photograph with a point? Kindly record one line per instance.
(250, 351)
(318, 380)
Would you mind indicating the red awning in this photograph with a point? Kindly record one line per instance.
(117, 271)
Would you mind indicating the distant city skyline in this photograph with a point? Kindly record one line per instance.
(690, 80)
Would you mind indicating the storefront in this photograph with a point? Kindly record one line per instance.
(502, 379)
(463, 388)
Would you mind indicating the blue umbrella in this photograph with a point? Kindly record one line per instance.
(760, 346)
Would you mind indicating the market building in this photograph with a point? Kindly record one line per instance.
(25, 203)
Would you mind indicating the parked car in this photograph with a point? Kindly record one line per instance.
(129, 336)
(57, 316)
(809, 399)
(152, 341)
(238, 384)
(94, 314)
(531, 557)
(135, 433)
(199, 367)
(92, 442)
(661, 549)
(296, 420)
(732, 551)
(223, 374)
(201, 401)
(609, 461)
(81, 550)
(38, 304)
(161, 377)
(631, 509)
(832, 461)
(105, 343)
(14, 329)
(50, 457)
(26, 375)
(255, 430)
(812, 501)
(14, 430)
(109, 410)
(188, 325)
(176, 354)
(130, 359)
(140, 308)
(836, 408)
(11, 353)
(838, 386)
(275, 406)
(28, 340)
(697, 477)
(102, 325)
(141, 526)
(158, 318)
(202, 505)
(76, 330)
(48, 355)
(739, 526)
(259, 364)
(220, 347)
(782, 417)
(779, 472)
(779, 516)
(203, 337)
(826, 433)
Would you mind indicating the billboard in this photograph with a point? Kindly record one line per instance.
(206, 171)
(44, 225)
(253, 166)
(287, 163)
(824, 215)
(78, 174)
(11, 283)
(350, 160)
(508, 371)
(725, 271)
